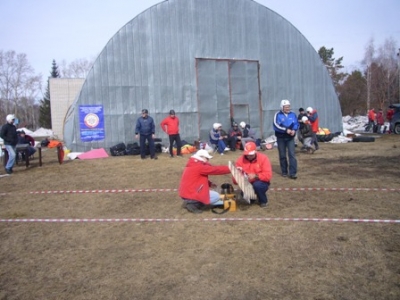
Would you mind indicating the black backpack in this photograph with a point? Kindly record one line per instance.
(118, 149)
(132, 149)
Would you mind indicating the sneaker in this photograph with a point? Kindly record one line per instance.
(293, 176)
(284, 175)
(227, 149)
(155, 158)
(180, 155)
(263, 205)
(193, 208)
(8, 171)
(222, 153)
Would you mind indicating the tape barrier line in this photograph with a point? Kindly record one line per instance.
(122, 220)
(175, 190)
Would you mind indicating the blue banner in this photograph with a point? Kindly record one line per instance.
(91, 123)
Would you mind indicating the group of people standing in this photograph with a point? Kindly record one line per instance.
(376, 120)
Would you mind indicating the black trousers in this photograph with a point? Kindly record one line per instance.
(177, 139)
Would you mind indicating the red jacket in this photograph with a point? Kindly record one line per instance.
(260, 166)
(314, 120)
(379, 118)
(194, 182)
(172, 125)
(371, 115)
(389, 114)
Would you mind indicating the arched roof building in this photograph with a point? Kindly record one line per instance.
(210, 61)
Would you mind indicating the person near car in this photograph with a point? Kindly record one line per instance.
(194, 188)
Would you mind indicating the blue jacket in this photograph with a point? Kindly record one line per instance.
(145, 126)
(283, 122)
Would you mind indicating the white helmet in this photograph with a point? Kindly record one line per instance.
(9, 118)
(284, 103)
(216, 126)
(242, 124)
(304, 118)
(309, 109)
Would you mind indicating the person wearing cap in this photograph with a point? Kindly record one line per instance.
(306, 134)
(145, 129)
(26, 139)
(312, 116)
(9, 134)
(235, 134)
(170, 125)
(217, 139)
(285, 125)
(258, 170)
(194, 188)
(248, 133)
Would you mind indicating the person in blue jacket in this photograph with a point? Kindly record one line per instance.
(285, 127)
(145, 128)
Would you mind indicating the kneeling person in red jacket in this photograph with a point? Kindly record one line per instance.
(258, 169)
(194, 188)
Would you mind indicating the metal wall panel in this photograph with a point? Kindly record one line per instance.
(151, 63)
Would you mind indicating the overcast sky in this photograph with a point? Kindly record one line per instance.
(75, 29)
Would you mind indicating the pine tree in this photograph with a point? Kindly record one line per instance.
(333, 65)
(45, 106)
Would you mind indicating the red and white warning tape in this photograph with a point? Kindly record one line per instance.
(334, 220)
(175, 190)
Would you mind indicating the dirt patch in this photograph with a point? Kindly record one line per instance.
(186, 256)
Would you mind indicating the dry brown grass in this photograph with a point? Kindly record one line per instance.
(197, 259)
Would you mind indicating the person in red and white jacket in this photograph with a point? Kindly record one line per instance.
(257, 167)
(170, 125)
(194, 188)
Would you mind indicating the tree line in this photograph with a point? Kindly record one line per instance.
(376, 84)
(21, 90)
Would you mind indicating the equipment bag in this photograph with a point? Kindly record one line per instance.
(118, 149)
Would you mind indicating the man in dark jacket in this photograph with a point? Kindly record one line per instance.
(145, 128)
(9, 134)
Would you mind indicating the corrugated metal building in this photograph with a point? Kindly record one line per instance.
(210, 61)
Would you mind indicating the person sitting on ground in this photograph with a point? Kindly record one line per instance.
(236, 135)
(306, 134)
(26, 139)
(217, 139)
(228, 140)
(257, 167)
(194, 188)
(248, 133)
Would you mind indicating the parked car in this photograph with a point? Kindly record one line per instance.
(395, 124)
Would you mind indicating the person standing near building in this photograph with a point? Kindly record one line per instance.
(312, 116)
(380, 122)
(285, 126)
(145, 129)
(10, 137)
(371, 120)
(258, 170)
(170, 125)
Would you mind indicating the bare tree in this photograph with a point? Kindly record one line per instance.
(381, 69)
(79, 68)
(17, 82)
